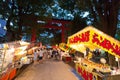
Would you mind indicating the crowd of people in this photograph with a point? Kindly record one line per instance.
(40, 54)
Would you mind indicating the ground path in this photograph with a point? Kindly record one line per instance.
(48, 70)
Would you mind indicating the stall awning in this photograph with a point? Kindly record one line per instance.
(65, 47)
(94, 38)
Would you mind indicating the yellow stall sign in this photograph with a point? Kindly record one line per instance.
(94, 38)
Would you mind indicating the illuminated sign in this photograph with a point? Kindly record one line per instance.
(85, 74)
(65, 47)
(83, 37)
(95, 37)
(105, 43)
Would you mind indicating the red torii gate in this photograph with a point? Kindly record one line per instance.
(50, 24)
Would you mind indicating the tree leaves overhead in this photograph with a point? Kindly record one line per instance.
(15, 10)
(33, 6)
(104, 13)
(68, 5)
(23, 13)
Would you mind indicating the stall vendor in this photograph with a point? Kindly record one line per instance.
(88, 54)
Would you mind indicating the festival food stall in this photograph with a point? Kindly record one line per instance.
(95, 46)
(12, 57)
(67, 52)
(30, 51)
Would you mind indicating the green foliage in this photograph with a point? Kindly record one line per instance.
(68, 5)
(25, 13)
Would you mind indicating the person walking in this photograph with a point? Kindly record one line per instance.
(40, 56)
(35, 57)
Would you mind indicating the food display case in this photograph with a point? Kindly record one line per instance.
(66, 48)
(6, 57)
(67, 52)
(95, 46)
(7, 69)
(12, 56)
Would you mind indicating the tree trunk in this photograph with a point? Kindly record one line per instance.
(9, 35)
(19, 33)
